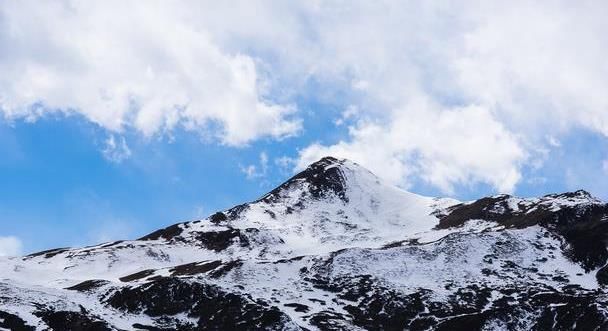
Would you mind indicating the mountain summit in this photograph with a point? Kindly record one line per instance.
(332, 248)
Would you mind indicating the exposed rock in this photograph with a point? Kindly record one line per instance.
(137, 276)
(72, 320)
(323, 177)
(194, 268)
(166, 233)
(13, 322)
(88, 285)
(333, 248)
(214, 308)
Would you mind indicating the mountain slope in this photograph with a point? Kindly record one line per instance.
(333, 248)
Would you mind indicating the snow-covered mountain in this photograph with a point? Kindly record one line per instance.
(333, 248)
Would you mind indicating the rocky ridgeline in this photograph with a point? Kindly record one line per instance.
(333, 248)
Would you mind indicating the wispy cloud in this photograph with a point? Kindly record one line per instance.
(116, 149)
(256, 171)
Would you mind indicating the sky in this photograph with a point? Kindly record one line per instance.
(119, 117)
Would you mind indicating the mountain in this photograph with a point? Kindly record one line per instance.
(332, 248)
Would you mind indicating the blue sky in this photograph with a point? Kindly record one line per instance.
(117, 119)
(59, 190)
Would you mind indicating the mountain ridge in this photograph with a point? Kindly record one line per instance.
(332, 248)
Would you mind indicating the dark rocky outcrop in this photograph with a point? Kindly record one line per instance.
(72, 320)
(166, 233)
(218, 218)
(219, 240)
(372, 306)
(13, 322)
(49, 253)
(324, 177)
(137, 276)
(583, 226)
(194, 268)
(221, 275)
(88, 285)
(214, 308)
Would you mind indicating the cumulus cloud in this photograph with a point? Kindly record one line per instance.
(123, 64)
(496, 80)
(444, 147)
(451, 93)
(10, 246)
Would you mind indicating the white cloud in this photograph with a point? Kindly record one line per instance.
(116, 149)
(253, 171)
(444, 147)
(285, 164)
(149, 67)
(605, 166)
(10, 246)
(496, 80)
(539, 64)
(451, 93)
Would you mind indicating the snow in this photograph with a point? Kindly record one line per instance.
(354, 232)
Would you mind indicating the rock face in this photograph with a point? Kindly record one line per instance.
(333, 248)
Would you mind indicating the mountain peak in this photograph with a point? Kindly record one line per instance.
(323, 251)
(328, 160)
(323, 177)
(577, 197)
